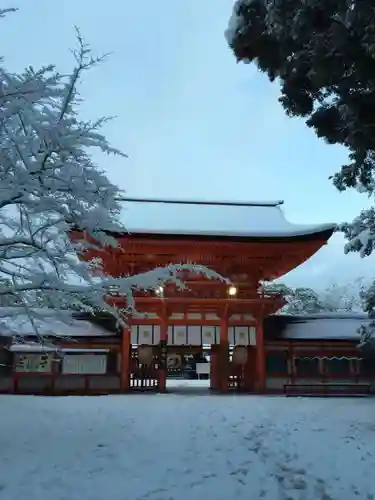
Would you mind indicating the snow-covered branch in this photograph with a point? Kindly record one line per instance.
(49, 184)
(347, 297)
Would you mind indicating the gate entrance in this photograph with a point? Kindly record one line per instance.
(183, 364)
(192, 368)
(245, 242)
(188, 369)
(232, 361)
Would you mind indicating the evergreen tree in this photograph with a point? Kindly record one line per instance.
(300, 300)
(322, 54)
(304, 301)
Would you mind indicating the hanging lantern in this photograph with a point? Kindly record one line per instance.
(239, 356)
(145, 355)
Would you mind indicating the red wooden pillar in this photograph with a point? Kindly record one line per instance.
(86, 382)
(125, 358)
(214, 368)
(249, 369)
(163, 345)
(224, 355)
(15, 384)
(260, 358)
(54, 374)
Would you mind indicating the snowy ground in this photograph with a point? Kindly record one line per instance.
(186, 447)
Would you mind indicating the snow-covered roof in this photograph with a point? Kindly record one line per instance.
(209, 218)
(323, 326)
(360, 316)
(14, 321)
(331, 326)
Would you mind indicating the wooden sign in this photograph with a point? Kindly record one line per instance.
(163, 354)
(33, 363)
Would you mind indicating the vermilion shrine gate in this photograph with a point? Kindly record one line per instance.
(245, 242)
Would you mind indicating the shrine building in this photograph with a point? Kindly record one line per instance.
(230, 332)
(244, 242)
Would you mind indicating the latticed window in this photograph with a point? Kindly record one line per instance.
(307, 367)
(277, 362)
(367, 367)
(112, 362)
(84, 363)
(337, 366)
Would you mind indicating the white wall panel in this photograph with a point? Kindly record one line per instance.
(156, 337)
(192, 335)
(210, 334)
(231, 338)
(253, 335)
(178, 335)
(145, 334)
(84, 363)
(242, 335)
(134, 334)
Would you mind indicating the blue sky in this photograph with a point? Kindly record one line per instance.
(194, 122)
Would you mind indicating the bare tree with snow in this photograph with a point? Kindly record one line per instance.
(49, 184)
(344, 297)
(338, 297)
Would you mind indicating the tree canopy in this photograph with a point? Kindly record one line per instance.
(322, 54)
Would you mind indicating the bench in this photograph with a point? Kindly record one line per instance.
(327, 389)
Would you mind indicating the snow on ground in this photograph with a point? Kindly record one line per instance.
(186, 446)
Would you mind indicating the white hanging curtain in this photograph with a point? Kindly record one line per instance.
(340, 358)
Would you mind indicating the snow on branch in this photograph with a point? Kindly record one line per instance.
(367, 332)
(49, 185)
(336, 298)
(360, 233)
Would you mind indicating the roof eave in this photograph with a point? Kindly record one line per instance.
(320, 233)
(172, 201)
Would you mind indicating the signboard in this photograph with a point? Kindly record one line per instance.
(163, 354)
(33, 363)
